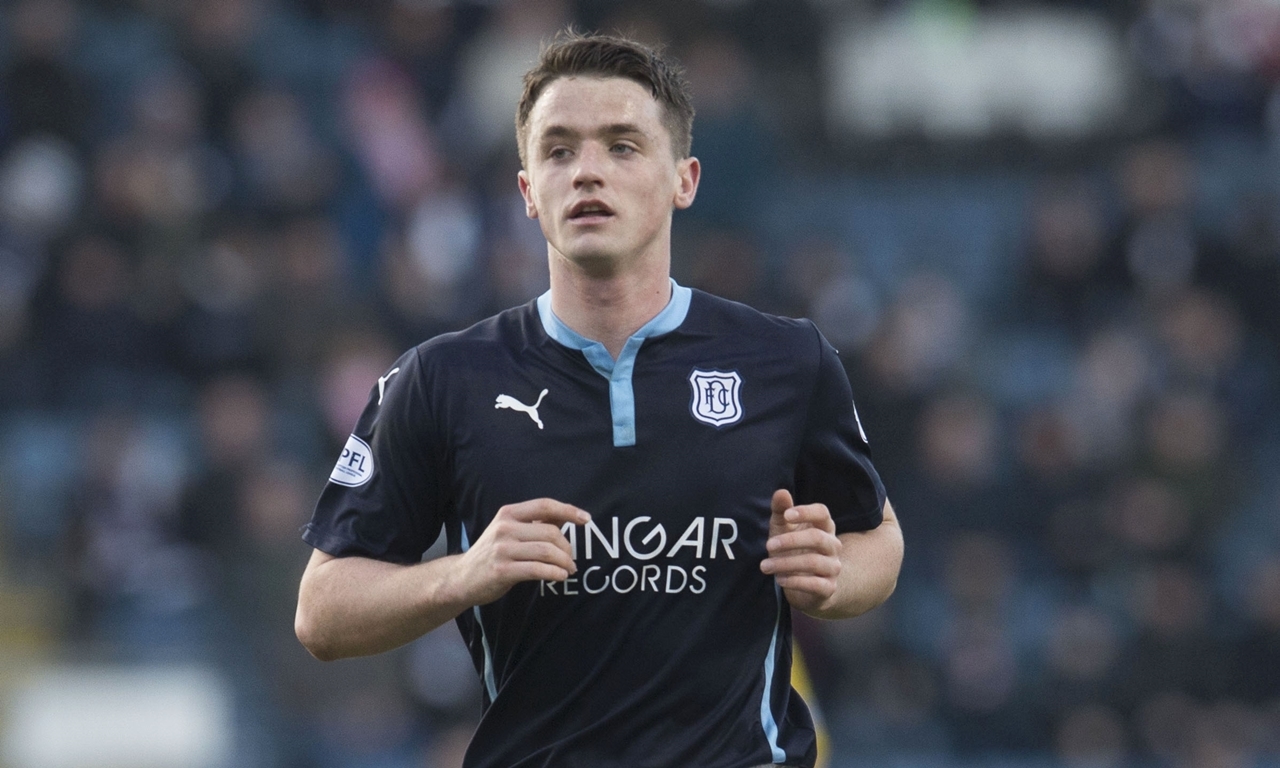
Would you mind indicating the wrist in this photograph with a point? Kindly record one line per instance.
(452, 589)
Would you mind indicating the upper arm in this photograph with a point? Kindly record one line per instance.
(834, 463)
(388, 504)
(889, 515)
(888, 522)
(318, 559)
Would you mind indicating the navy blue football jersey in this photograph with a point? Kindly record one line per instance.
(668, 647)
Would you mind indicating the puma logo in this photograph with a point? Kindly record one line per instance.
(507, 401)
(382, 383)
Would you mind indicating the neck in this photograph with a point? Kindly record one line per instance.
(610, 308)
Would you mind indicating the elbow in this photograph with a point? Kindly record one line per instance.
(889, 589)
(895, 570)
(310, 634)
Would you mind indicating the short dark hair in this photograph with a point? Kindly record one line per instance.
(573, 53)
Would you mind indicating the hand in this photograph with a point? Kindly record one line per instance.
(804, 552)
(523, 542)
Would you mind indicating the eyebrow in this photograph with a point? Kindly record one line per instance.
(613, 129)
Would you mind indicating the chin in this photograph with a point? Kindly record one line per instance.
(593, 261)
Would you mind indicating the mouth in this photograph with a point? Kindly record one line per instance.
(590, 212)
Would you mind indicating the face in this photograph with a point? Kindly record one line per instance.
(601, 177)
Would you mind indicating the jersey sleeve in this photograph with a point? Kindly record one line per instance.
(834, 466)
(383, 498)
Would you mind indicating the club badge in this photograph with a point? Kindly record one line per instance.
(716, 398)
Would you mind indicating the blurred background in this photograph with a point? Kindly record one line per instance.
(1044, 236)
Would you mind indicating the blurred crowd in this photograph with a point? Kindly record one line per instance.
(220, 220)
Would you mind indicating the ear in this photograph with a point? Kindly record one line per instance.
(526, 191)
(688, 171)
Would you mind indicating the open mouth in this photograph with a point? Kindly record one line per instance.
(590, 211)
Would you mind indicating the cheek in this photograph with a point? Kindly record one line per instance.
(658, 196)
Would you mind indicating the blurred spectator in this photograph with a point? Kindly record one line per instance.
(283, 165)
(1255, 679)
(1169, 604)
(1084, 644)
(1245, 265)
(958, 442)
(1065, 249)
(222, 287)
(443, 235)
(43, 96)
(235, 440)
(1092, 736)
(923, 334)
(87, 315)
(442, 678)
(424, 38)
(517, 273)
(40, 186)
(1210, 56)
(354, 361)
(215, 40)
(492, 64)
(390, 134)
(1159, 249)
(309, 300)
(1149, 517)
(726, 264)
(737, 152)
(136, 581)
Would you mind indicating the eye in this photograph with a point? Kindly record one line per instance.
(558, 153)
(622, 149)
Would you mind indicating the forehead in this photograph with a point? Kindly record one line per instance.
(584, 103)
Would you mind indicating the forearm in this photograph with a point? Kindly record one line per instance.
(869, 566)
(355, 606)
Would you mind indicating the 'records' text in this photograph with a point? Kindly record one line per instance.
(598, 549)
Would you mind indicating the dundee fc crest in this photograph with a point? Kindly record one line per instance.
(715, 397)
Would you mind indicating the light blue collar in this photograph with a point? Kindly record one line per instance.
(622, 403)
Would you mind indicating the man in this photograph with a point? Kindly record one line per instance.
(616, 466)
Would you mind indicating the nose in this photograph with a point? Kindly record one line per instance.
(589, 169)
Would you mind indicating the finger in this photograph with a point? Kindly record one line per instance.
(546, 511)
(781, 501)
(816, 515)
(807, 590)
(533, 570)
(541, 532)
(808, 564)
(807, 539)
(535, 551)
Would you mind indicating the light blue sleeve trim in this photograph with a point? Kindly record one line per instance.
(489, 685)
(766, 712)
(622, 400)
